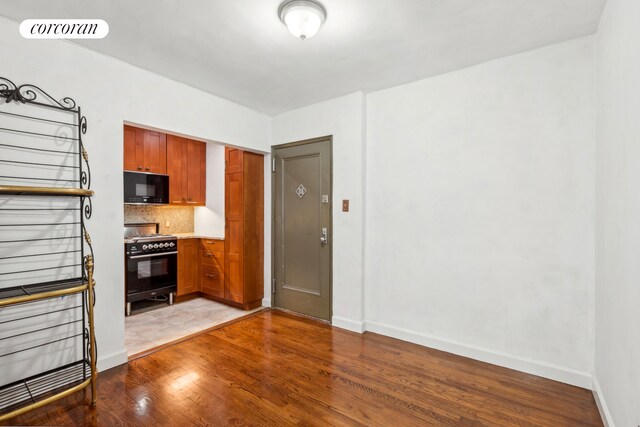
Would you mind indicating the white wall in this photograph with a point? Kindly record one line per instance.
(343, 118)
(479, 192)
(110, 92)
(480, 211)
(617, 349)
(209, 220)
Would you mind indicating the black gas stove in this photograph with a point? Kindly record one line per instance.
(151, 264)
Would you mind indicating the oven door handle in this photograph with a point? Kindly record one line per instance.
(152, 255)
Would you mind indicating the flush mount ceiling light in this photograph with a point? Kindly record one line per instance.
(303, 18)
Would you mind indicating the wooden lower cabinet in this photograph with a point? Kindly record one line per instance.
(188, 266)
(201, 270)
(212, 267)
(212, 281)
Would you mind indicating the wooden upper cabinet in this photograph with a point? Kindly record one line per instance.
(187, 169)
(155, 151)
(196, 155)
(234, 160)
(177, 169)
(130, 162)
(144, 150)
(184, 160)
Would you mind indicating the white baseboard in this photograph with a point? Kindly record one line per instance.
(266, 302)
(542, 369)
(348, 324)
(602, 405)
(109, 361)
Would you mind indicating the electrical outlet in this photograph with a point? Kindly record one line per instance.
(345, 205)
(167, 224)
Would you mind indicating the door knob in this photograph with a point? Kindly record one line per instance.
(324, 239)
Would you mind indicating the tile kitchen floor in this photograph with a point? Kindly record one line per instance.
(150, 329)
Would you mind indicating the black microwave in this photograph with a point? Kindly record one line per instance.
(146, 188)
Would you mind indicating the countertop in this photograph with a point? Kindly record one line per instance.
(196, 236)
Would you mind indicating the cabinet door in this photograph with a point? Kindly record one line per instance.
(188, 266)
(177, 169)
(130, 150)
(233, 272)
(196, 173)
(233, 160)
(155, 152)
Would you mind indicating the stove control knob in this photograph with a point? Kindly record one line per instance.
(171, 244)
(163, 245)
(144, 247)
(155, 246)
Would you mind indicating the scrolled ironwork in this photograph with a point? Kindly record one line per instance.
(28, 93)
(83, 125)
(85, 175)
(87, 207)
(95, 344)
(8, 89)
(86, 302)
(88, 343)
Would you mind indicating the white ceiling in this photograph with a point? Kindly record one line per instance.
(238, 49)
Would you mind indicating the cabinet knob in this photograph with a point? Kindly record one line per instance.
(211, 276)
(139, 168)
(147, 168)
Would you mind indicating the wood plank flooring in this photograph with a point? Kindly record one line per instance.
(278, 369)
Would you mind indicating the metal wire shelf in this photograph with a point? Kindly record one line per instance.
(37, 390)
(39, 291)
(44, 238)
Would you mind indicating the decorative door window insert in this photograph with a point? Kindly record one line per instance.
(301, 191)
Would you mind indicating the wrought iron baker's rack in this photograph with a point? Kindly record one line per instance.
(72, 183)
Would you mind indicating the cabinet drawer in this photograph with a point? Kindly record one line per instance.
(214, 259)
(212, 281)
(212, 245)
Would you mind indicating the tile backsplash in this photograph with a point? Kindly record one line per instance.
(180, 217)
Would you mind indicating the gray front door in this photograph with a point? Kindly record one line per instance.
(302, 227)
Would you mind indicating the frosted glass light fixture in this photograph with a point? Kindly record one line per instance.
(303, 18)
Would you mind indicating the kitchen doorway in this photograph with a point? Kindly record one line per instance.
(302, 230)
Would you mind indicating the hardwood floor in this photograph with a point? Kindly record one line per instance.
(278, 369)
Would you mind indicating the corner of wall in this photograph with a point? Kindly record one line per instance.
(112, 360)
(348, 324)
(602, 405)
(363, 277)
